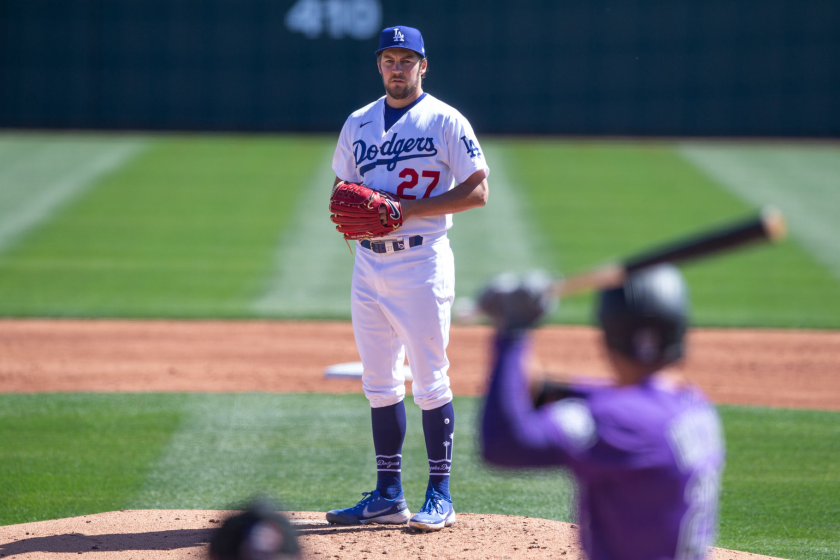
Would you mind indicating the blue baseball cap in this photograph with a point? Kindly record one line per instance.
(403, 37)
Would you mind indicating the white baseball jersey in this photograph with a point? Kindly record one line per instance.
(401, 299)
(428, 151)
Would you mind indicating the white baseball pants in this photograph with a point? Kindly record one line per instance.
(401, 303)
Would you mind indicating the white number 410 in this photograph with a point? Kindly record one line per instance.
(357, 19)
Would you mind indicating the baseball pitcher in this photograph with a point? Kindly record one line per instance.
(404, 164)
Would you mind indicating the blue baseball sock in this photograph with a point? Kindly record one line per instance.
(439, 428)
(388, 435)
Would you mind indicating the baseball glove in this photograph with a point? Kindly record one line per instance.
(361, 212)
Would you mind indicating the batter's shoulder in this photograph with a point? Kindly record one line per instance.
(644, 410)
(631, 411)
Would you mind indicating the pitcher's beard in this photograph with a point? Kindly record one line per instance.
(397, 92)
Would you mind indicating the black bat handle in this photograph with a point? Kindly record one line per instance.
(769, 225)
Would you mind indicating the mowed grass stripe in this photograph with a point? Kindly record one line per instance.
(313, 265)
(598, 201)
(40, 174)
(224, 448)
(300, 449)
(187, 229)
(499, 237)
(802, 181)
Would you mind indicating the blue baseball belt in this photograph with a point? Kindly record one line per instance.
(391, 246)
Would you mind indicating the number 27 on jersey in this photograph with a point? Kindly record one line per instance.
(412, 178)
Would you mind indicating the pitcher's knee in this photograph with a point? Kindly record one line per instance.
(433, 399)
(378, 399)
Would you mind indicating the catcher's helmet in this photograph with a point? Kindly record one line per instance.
(646, 318)
(259, 533)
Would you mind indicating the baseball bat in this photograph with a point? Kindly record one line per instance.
(769, 225)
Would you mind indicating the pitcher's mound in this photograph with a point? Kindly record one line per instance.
(184, 534)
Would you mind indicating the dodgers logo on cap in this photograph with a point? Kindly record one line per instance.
(401, 36)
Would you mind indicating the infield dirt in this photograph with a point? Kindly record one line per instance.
(798, 369)
(184, 534)
(759, 367)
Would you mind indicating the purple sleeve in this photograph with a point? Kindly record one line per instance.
(514, 433)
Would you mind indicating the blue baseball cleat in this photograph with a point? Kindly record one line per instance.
(374, 508)
(436, 514)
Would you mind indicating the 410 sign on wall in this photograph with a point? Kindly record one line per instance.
(337, 19)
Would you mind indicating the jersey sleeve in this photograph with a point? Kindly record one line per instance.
(515, 433)
(464, 152)
(344, 162)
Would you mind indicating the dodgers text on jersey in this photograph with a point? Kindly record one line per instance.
(395, 147)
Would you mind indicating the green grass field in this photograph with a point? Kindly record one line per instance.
(236, 227)
(78, 454)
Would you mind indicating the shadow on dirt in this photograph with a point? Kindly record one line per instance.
(78, 542)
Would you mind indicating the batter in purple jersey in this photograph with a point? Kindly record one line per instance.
(646, 451)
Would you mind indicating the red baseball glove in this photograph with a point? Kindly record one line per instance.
(362, 212)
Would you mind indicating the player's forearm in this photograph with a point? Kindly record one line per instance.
(472, 193)
(514, 434)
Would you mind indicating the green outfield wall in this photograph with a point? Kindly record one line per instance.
(618, 67)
